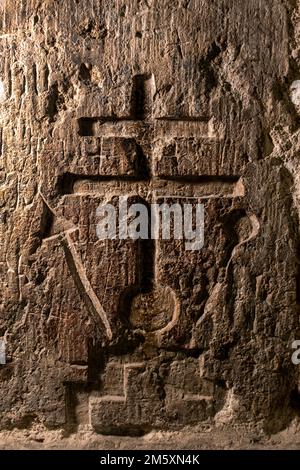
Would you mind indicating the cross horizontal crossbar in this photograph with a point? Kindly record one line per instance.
(184, 187)
(162, 127)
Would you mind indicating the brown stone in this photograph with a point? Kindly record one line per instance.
(161, 101)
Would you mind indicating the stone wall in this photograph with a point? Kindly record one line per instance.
(172, 99)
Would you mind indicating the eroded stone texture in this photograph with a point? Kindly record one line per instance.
(171, 101)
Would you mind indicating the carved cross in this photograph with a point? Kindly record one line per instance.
(143, 136)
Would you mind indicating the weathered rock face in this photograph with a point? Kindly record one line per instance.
(170, 100)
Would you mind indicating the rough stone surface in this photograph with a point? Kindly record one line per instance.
(177, 99)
